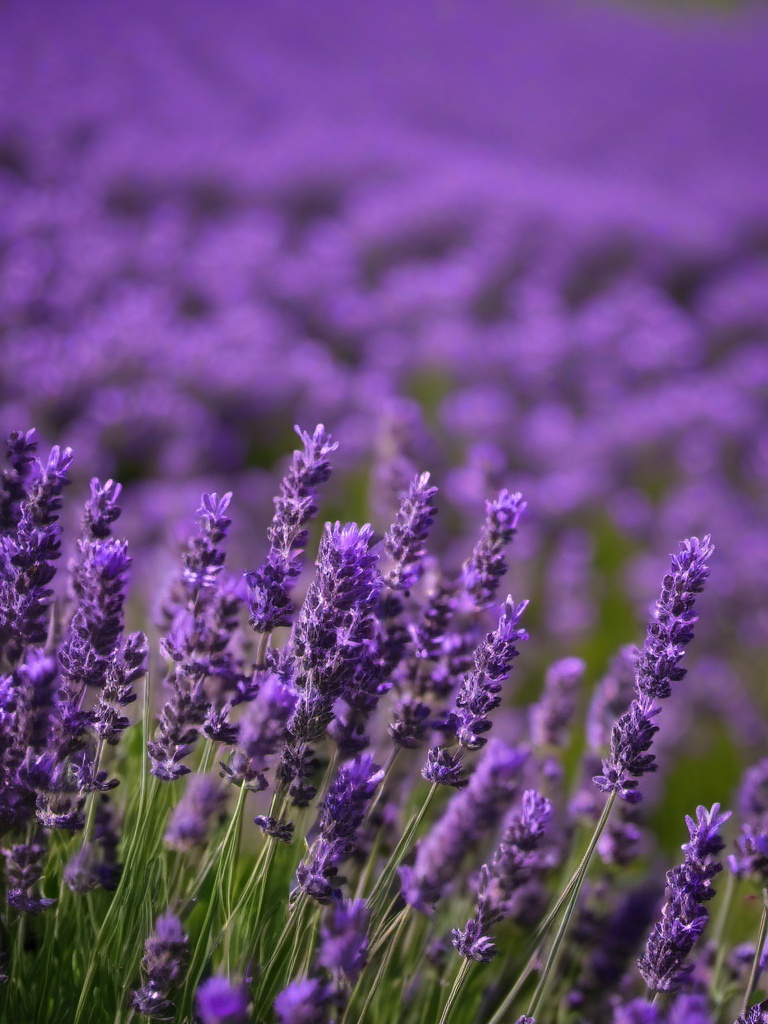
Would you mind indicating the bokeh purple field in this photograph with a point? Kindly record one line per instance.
(515, 244)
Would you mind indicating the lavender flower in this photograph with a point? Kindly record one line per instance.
(469, 816)
(26, 558)
(657, 668)
(404, 541)
(684, 915)
(757, 1014)
(751, 857)
(203, 800)
(343, 947)
(514, 862)
(551, 716)
(306, 1001)
(24, 870)
(482, 572)
(479, 691)
(658, 662)
(261, 731)
(220, 1002)
(201, 617)
(322, 658)
(342, 814)
(14, 483)
(269, 586)
(165, 956)
(637, 1011)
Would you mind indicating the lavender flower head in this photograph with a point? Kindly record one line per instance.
(344, 940)
(270, 586)
(343, 812)
(482, 572)
(220, 1002)
(404, 541)
(751, 857)
(203, 799)
(478, 695)
(322, 657)
(304, 1002)
(165, 956)
(684, 916)
(260, 733)
(515, 861)
(658, 666)
(551, 716)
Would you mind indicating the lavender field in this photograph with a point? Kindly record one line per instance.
(264, 756)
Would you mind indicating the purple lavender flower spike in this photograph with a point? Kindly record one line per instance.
(525, 1020)
(260, 733)
(97, 624)
(689, 1008)
(101, 509)
(751, 857)
(306, 1001)
(203, 800)
(479, 691)
(470, 815)
(270, 586)
(322, 658)
(26, 558)
(658, 663)
(551, 716)
(20, 452)
(757, 1014)
(515, 861)
(220, 1002)
(404, 541)
(23, 871)
(343, 949)
(200, 618)
(165, 957)
(657, 668)
(342, 814)
(482, 572)
(637, 1011)
(684, 916)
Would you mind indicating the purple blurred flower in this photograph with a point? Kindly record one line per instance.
(303, 1002)
(470, 815)
(343, 948)
(220, 1002)
(203, 799)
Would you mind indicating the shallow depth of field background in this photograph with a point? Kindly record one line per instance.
(518, 244)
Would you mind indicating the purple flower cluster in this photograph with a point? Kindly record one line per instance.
(269, 586)
(658, 666)
(342, 814)
(515, 861)
(165, 955)
(470, 815)
(684, 915)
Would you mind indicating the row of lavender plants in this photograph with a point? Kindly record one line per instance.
(400, 862)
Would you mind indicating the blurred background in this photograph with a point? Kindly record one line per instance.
(517, 243)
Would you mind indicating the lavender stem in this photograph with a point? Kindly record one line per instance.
(754, 974)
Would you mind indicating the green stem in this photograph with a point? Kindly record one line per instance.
(754, 974)
(379, 891)
(718, 933)
(458, 984)
(383, 967)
